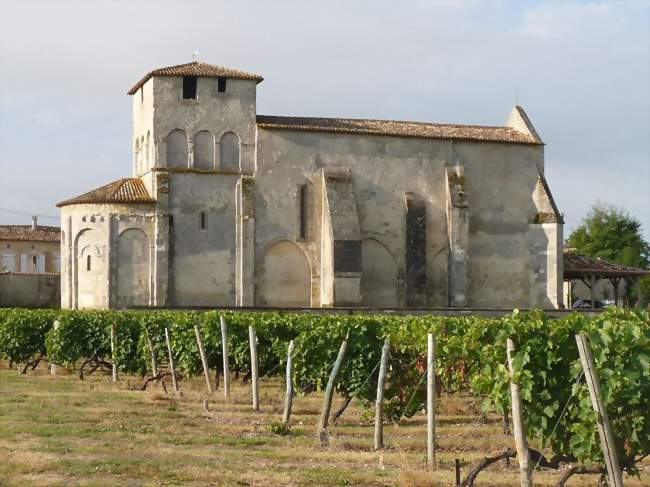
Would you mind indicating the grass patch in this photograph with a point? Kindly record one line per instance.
(63, 431)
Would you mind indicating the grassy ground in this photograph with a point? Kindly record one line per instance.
(63, 431)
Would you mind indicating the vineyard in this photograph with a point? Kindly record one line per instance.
(470, 364)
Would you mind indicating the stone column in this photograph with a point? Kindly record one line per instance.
(190, 152)
(69, 269)
(112, 232)
(341, 240)
(245, 248)
(458, 236)
(163, 235)
(156, 152)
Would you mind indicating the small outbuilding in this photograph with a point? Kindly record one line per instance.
(595, 279)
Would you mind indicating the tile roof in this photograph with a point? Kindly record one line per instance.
(397, 128)
(125, 191)
(578, 266)
(196, 68)
(42, 233)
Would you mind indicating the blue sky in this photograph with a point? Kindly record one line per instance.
(580, 69)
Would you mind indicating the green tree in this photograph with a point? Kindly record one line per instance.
(644, 290)
(613, 235)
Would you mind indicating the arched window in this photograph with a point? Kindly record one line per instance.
(229, 152)
(148, 147)
(305, 209)
(176, 149)
(136, 155)
(143, 166)
(204, 150)
(88, 262)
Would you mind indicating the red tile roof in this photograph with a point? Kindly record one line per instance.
(124, 191)
(197, 68)
(578, 266)
(42, 233)
(397, 129)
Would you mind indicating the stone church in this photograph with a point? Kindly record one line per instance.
(230, 208)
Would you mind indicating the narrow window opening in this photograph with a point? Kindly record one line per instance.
(304, 212)
(88, 263)
(34, 259)
(202, 220)
(221, 85)
(171, 220)
(141, 94)
(189, 87)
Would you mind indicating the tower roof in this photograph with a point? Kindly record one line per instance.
(123, 191)
(196, 68)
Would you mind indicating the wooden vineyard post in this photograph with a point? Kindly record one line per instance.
(172, 369)
(431, 400)
(379, 402)
(204, 359)
(523, 454)
(604, 428)
(113, 347)
(252, 338)
(56, 325)
(226, 365)
(154, 362)
(288, 398)
(329, 394)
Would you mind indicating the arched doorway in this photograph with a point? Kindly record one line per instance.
(284, 278)
(378, 275)
(132, 268)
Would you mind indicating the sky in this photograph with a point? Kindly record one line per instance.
(581, 70)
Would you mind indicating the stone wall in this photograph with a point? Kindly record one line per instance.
(496, 225)
(30, 290)
(108, 256)
(25, 256)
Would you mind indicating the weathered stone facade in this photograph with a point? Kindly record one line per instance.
(230, 208)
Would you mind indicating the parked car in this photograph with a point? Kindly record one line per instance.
(586, 304)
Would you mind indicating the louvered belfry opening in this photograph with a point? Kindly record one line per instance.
(189, 87)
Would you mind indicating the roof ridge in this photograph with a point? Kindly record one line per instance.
(416, 122)
(397, 128)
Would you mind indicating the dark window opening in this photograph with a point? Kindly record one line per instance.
(171, 220)
(189, 87)
(202, 220)
(141, 94)
(221, 85)
(88, 262)
(347, 256)
(416, 250)
(34, 259)
(304, 204)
